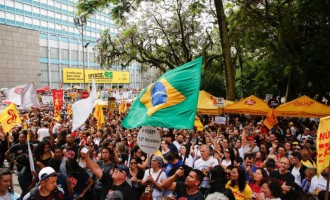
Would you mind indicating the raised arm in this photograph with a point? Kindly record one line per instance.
(93, 166)
(169, 183)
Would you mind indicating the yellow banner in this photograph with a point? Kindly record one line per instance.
(323, 144)
(74, 75)
(9, 118)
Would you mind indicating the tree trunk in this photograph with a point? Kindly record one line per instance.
(288, 86)
(225, 45)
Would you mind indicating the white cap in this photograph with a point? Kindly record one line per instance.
(46, 172)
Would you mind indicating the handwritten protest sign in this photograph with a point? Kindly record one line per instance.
(149, 139)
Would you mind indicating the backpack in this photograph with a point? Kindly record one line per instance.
(57, 195)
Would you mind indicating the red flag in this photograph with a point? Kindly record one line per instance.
(57, 103)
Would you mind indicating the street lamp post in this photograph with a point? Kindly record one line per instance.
(80, 24)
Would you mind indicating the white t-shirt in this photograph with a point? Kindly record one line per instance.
(225, 163)
(297, 178)
(246, 149)
(43, 132)
(189, 161)
(318, 184)
(155, 193)
(204, 167)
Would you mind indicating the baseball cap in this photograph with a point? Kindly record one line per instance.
(46, 173)
(250, 138)
(122, 168)
(115, 195)
(159, 160)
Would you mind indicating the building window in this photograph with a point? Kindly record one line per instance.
(74, 55)
(10, 4)
(44, 23)
(10, 16)
(28, 20)
(27, 8)
(53, 53)
(19, 5)
(43, 52)
(36, 10)
(19, 18)
(36, 22)
(50, 2)
(91, 57)
(65, 54)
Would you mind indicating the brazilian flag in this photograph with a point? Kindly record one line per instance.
(170, 102)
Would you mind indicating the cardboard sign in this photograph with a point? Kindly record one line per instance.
(219, 120)
(149, 139)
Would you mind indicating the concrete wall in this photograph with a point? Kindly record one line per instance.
(19, 56)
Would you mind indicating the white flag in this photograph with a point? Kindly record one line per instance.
(83, 108)
(15, 95)
(23, 95)
(30, 97)
(31, 158)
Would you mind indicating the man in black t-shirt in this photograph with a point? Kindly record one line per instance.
(111, 183)
(185, 190)
(18, 149)
(70, 148)
(283, 175)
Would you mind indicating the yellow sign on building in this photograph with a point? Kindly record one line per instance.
(74, 75)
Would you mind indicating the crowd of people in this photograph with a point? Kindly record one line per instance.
(239, 160)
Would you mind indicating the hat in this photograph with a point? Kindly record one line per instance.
(115, 195)
(250, 138)
(295, 143)
(46, 172)
(122, 168)
(159, 160)
(291, 123)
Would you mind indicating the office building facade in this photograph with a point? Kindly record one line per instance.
(51, 44)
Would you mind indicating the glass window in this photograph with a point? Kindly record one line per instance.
(54, 53)
(55, 67)
(51, 25)
(36, 22)
(70, 8)
(19, 18)
(91, 57)
(51, 14)
(43, 12)
(2, 14)
(74, 55)
(64, 6)
(55, 76)
(28, 20)
(36, 10)
(58, 27)
(43, 53)
(2, 2)
(58, 16)
(70, 19)
(44, 23)
(10, 16)
(10, 3)
(19, 5)
(27, 8)
(44, 66)
(57, 4)
(50, 2)
(65, 54)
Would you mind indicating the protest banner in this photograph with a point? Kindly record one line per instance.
(149, 139)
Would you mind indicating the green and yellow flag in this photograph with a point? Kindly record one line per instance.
(170, 102)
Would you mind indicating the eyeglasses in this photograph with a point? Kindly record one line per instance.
(200, 144)
(118, 170)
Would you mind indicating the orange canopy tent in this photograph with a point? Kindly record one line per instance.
(303, 107)
(250, 105)
(206, 104)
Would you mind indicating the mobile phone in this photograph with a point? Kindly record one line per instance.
(85, 149)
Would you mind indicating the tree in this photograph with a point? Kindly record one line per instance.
(283, 39)
(164, 34)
